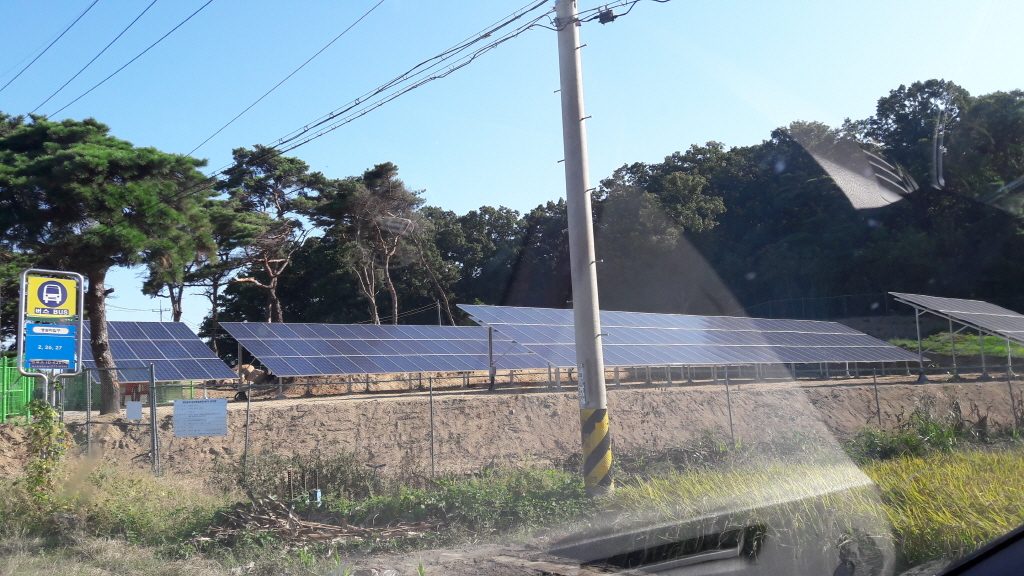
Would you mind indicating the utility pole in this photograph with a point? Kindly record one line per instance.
(597, 455)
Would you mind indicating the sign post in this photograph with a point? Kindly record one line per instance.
(50, 327)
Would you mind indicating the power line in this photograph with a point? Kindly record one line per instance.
(342, 116)
(402, 314)
(116, 307)
(50, 45)
(437, 66)
(419, 69)
(137, 56)
(424, 67)
(367, 108)
(89, 63)
(286, 78)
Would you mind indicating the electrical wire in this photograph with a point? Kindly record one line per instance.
(286, 78)
(402, 314)
(137, 56)
(366, 109)
(345, 114)
(89, 63)
(50, 45)
(428, 70)
(337, 122)
(591, 14)
(420, 69)
(116, 307)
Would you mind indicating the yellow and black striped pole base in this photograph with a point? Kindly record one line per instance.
(597, 451)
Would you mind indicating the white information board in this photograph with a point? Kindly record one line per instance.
(133, 409)
(194, 418)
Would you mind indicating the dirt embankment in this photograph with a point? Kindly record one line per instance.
(477, 429)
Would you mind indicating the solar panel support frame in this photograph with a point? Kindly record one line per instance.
(920, 310)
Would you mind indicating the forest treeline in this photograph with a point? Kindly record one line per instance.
(710, 229)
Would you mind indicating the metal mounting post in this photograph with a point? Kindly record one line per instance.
(921, 376)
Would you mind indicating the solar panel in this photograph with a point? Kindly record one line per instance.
(977, 313)
(646, 339)
(174, 350)
(332, 349)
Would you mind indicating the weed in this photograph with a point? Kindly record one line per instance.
(48, 442)
(292, 478)
(492, 501)
(921, 432)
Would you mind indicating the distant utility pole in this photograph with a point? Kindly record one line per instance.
(597, 455)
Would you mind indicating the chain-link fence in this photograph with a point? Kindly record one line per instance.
(435, 424)
(134, 411)
(825, 307)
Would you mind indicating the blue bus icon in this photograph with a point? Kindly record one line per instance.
(52, 294)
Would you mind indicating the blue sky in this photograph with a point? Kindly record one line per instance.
(657, 80)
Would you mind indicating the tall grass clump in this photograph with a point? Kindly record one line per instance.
(105, 501)
(922, 432)
(946, 505)
(495, 500)
(338, 475)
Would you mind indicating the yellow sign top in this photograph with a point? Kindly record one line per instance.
(51, 297)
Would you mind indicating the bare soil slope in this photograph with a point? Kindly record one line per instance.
(473, 429)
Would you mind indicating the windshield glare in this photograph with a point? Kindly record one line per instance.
(554, 288)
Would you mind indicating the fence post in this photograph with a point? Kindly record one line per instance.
(4, 387)
(728, 402)
(245, 446)
(88, 413)
(430, 381)
(878, 406)
(981, 348)
(154, 450)
(1009, 360)
(1013, 403)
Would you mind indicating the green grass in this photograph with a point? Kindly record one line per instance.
(946, 505)
(105, 501)
(940, 506)
(966, 344)
(497, 500)
(943, 484)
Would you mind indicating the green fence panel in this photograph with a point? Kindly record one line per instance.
(15, 390)
(74, 392)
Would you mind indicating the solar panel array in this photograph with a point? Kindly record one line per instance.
(329, 349)
(174, 350)
(644, 339)
(977, 313)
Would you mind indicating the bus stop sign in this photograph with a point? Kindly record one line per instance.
(51, 347)
(47, 297)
